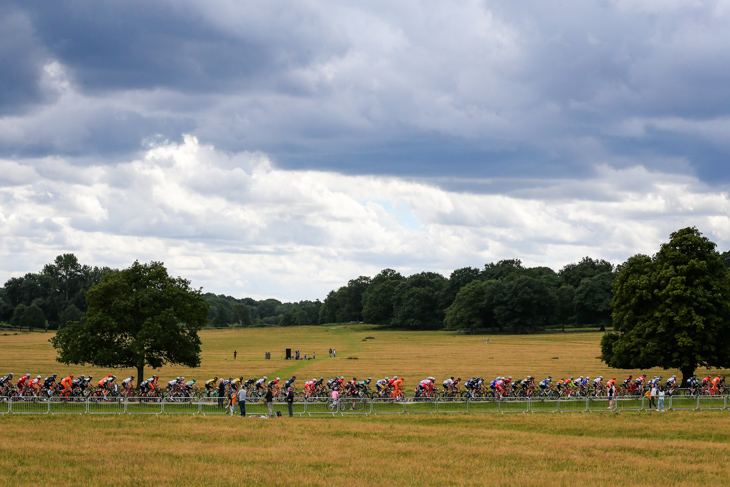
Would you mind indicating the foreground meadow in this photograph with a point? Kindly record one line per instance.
(362, 351)
(688, 448)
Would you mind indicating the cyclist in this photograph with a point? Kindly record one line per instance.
(210, 386)
(171, 385)
(261, 384)
(274, 384)
(67, 383)
(448, 385)
(545, 384)
(236, 383)
(23, 383)
(6, 383)
(290, 383)
(250, 382)
(693, 383)
(35, 385)
(597, 384)
(716, 382)
(49, 383)
(398, 387)
(471, 385)
(128, 386)
(381, 385)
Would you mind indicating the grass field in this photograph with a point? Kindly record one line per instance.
(673, 448)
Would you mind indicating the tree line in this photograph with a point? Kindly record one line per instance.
(505, 296)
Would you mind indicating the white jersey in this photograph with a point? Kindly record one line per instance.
(126, 381)
(448, 383)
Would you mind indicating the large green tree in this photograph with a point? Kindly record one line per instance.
(136, 317)
(467, 310)
(672, 310)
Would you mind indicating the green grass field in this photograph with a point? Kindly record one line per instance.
(674, 448)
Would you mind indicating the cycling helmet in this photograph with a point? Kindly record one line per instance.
(452, 377)
(113, 377)
(395, 377)
(293, 376)
(91, 377)
(265, 377)
(82, 376)
(156, 376)
(459, 378)
(321, 378)
(38, 377)
(54, 375)
(510, 377)
(27, 375)
(550, 376)
(10, 374)
(588, 377)
(354, 378)
(72, 376)
(278, 378)
(131, 377)
(387, 378)
(193, 381)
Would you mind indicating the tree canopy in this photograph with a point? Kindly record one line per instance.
(672, 310)
(136, 317)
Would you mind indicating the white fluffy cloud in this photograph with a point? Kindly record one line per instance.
(236, 224)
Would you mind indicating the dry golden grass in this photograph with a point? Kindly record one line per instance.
(569, 449)
(676, 448)
(414, 355)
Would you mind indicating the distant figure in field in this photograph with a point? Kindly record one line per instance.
(330, 353)
(487, 341)
(305, 356)
(314, 355)
(235, 353)
(334, 353)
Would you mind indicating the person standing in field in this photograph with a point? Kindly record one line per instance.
(269, 401)
(330, 352)
(660, 406)
(242, 401)
(334, 353)
(221, 393)
(290, 401)
(235, 353)
(611, 394)
(652, 397)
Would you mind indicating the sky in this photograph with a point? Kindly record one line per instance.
(280, 149)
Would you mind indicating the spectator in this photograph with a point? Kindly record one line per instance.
(235, 353)
(221, 393)
(290, 401)
(330, 352)
(611, 396)
(269, 401)
(242, 401)
(334, 353)
(652, 397)
(660, 406)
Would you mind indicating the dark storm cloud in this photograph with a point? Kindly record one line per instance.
(21, 61)
(423, 89)
(173, 44)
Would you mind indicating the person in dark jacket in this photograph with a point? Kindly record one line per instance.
(290, 401)
(269, 401)
(221, 393)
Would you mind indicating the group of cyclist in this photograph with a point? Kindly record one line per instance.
(338, 388)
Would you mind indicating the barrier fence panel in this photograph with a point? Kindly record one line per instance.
(4, 405)
(544, 405)
(514, 405)
(356, 406)
(142, 405)
(27, 405)
(420, 406)
(321, 408)
(484, 405)
(455, 406)
(187, 405)
(60, 405)
(388, 406)
(629, 403)
(598, 404)
(106, 406)
(572, 405)
(209, 406)
(680, 403)
(710, 402)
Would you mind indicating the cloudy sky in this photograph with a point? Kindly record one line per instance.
(279, 149)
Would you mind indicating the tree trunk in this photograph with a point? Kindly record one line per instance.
(687, 372)
(140, 373)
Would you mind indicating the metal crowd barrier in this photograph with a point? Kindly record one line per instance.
(349, 406)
